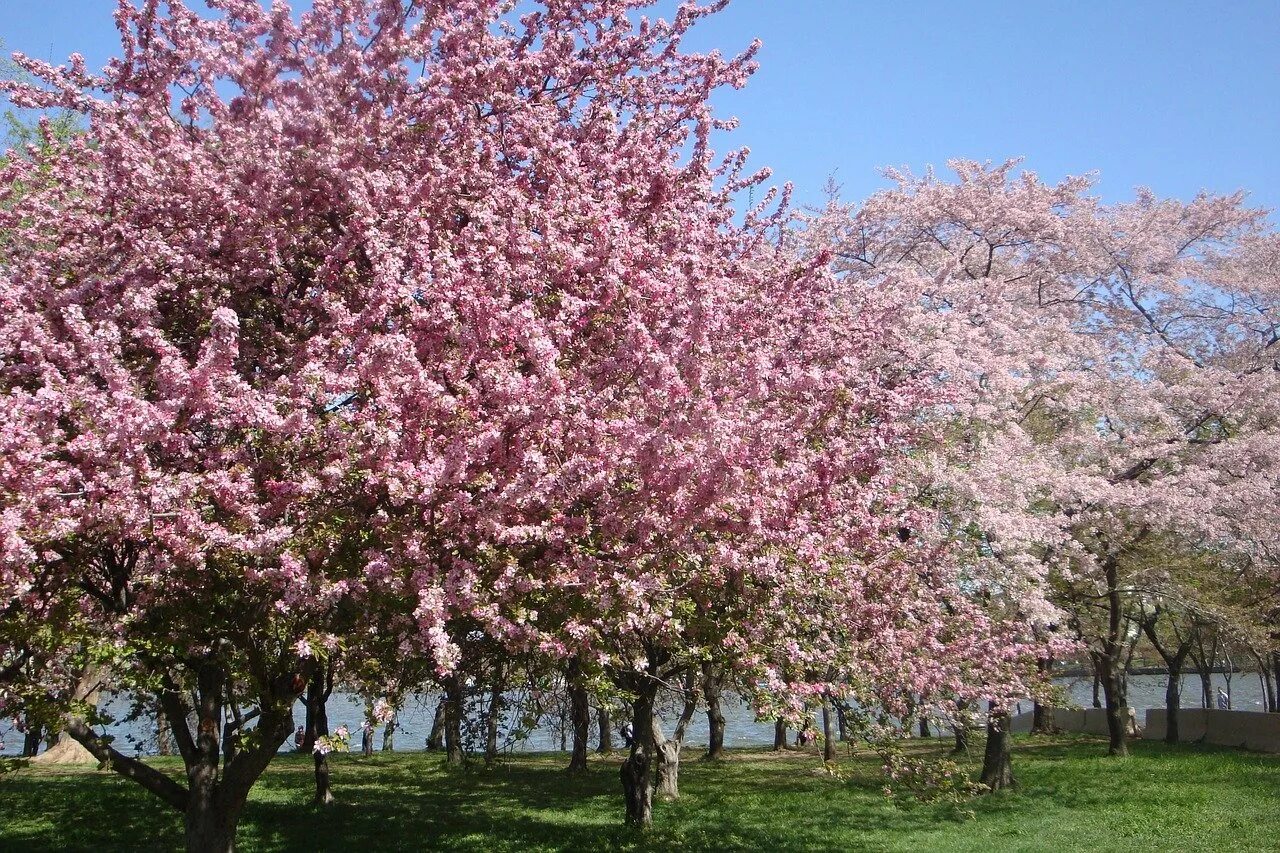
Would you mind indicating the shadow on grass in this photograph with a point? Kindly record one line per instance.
(750, 802)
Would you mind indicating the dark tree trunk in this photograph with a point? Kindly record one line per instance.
(1206, 687)
(1275, 669)
(1117, 723)
(318, 691)
(924, 727)
(1172, 703)
(211, 825)
(493, 718)
(324, 794)
(604, 722)
(997, 761)
(842, 719)
(828, 732)
(961, 730)
(453, 720)
(779, 734)
(164, 742)
(580, 715)
(1108, 661)
(216, 787)
(1042, 722)
(1042, 716)
(31, 740)
(435, 740)
(1173, 658)
(389, 734)
(712, 689)
(637, 769)
(1097, 688)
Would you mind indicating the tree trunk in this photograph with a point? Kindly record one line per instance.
(1275, 671)
(668, 752)
(1108, 661)
(961, 730)
(491, 722)
(318, 727)
(435, 740)
(637, 769)
(842, 720)
(164, 742)
(1042, 721)
(324, 795)
(605, 724)
(779, 735)
(924, 727)
(712, 688)
(1174, 658)
(1206, 686)
(828, 732)
(668, 749)
(31, 740)
(453, 720)
(1117, 724)
(1097, 688)
(211, 823)
(389, 734)
(997, 761)
(1172, 703)
(213, 798)
(1041, 715)
(580, 716)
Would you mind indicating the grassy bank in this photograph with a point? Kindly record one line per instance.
(1071, 798)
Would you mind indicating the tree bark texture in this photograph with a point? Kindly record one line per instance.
(453, 720)
(604, 722)
(713, 689)
(389, 734)
(997, 761)
(637, 769)
(435, 740)
(828, 732)
(580, 716)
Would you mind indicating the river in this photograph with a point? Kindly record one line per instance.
(414, 720)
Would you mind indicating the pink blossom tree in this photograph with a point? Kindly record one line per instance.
(1113, 366)
(428, 324)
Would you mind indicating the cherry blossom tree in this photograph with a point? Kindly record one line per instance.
(433, 326)
(1113, 366)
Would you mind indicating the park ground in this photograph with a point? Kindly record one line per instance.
(1071, 797)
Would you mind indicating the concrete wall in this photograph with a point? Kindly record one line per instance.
(1248, 729)
(1091, 721)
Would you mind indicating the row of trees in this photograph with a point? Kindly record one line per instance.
(425, 341)
(1115, 369)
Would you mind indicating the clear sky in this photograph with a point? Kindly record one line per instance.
(1172, 94)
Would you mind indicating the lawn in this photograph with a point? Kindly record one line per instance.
(1071, 798)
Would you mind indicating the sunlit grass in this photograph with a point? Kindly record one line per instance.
(1071, 798)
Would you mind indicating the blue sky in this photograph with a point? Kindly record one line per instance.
(1174, 95)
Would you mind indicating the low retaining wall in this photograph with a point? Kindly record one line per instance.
(1248, 729)
(1090, 721)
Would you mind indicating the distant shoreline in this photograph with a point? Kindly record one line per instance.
(1187, 671)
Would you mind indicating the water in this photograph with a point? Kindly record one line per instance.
(414, 720)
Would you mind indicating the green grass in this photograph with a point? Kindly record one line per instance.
(1071, 797)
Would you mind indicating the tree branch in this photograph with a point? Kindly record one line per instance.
(131, 768)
